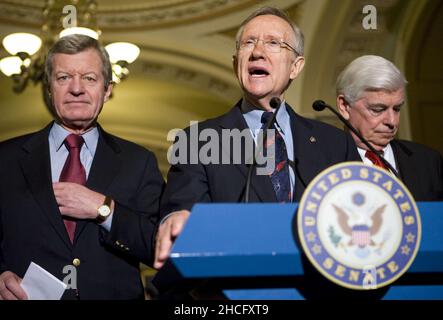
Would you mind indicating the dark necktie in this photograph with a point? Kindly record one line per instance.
(73, 171)
(375, 159)
(280, 175)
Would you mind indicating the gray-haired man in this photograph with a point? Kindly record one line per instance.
(370, 94)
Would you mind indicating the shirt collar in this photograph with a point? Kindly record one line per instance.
(255, 114)
(59, 135)
(386, 151)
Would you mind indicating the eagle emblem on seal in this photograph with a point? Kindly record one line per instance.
(360, 233)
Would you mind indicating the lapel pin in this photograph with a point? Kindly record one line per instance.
(312, 139)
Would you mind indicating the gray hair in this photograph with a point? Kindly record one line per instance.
(368, 73)
(76, 43)
(299, 37)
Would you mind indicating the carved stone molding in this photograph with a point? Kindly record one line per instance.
(113, 15)
(225, 90)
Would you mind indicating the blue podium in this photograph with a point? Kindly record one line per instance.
(252, 251)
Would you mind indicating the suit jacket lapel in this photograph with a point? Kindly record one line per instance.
(36, 168)
(104, 168)
(405, 167)
(261, 184)
(305, 153)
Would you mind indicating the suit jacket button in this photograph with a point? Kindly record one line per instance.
(76, 262)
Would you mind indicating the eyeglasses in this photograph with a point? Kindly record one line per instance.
(270, 45)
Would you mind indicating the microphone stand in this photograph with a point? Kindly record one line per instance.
(320, 105)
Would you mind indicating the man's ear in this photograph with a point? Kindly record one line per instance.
(297, 67)
(343, 106)
(108, 92)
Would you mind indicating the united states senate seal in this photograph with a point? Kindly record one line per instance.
(359, 226)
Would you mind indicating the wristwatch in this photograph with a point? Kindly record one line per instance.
(104, 210)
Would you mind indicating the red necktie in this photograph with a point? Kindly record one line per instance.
(73, 171)
(375, 159)
(280, 176)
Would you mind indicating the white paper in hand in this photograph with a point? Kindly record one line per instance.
(39, 284)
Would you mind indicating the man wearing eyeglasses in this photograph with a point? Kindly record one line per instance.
(268, 57)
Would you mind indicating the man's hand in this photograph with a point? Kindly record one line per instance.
(77, 201)
(167, 232)
(10, 287)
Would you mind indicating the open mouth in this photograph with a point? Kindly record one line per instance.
(258, 72)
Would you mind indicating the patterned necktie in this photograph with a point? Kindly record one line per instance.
(375, 159)
(73, 171)
(280, 175)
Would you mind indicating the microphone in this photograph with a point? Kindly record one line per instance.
(320, 105)
(274, 103)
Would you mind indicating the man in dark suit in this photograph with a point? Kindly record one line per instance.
(269, 56)
(370, 94)
(74, 195)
